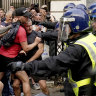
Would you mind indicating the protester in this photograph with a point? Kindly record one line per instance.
(2, 14)
(9, 54)
(34, 54)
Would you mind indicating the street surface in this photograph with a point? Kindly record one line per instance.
(54, 91)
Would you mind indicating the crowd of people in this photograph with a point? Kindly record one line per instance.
(22, 60)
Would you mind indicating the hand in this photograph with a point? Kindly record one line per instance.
(43, 29)
(15, 66)
(36, 28)
(37, 40)
(22, 52)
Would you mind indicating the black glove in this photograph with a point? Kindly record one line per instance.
(28, 68)
(15, 66)
(39, 34)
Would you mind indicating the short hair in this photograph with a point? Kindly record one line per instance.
(2, 10)
(8, 12)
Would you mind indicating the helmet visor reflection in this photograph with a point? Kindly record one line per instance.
(63, 32)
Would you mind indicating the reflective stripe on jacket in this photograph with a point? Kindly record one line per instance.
(89, 43)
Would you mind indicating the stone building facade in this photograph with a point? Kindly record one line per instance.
(89, 2)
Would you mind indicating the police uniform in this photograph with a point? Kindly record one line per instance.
(77, 60)
(75, 57)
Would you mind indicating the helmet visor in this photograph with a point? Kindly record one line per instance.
(64, 29)
(63, 32)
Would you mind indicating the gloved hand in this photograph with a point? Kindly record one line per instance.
(28, 68)
(15, 66)
(39, 34)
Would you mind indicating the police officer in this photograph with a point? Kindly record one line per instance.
(91, 7)
(93, 20)
(78, 58)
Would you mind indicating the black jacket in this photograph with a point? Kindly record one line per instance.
(75, 57)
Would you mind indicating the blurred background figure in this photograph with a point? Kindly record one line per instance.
(93, 20)
(8, 19)
(91, 7)
(11, 8)
(2, 14)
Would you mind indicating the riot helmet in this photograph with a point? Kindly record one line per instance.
(93, 20)
(93, 14)
(68, 6)
(91, 7)
(82, 6)
(73, 21)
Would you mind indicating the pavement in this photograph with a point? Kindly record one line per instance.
(54, 90)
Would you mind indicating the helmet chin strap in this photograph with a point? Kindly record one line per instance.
(85, 31)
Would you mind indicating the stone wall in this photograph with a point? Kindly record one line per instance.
(89, 2)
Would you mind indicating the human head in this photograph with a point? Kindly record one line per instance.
(72, 22)
(93, 14)
(44, 7)
(33, 12)
(38, 17)
(2, 13)
(8, 16)
(22, 14)
(11, 8)
(28, 26)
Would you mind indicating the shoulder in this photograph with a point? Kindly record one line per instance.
(76, 50)
(21, 30)
(3, 23)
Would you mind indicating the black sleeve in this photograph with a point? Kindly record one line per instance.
(48, 24)
(57, 64)
(50, 35)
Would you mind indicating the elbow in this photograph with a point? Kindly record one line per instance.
(41, 51)
(26, 49)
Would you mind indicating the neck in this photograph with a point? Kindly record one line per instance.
(74, 36)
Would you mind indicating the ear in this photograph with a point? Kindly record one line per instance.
(15, 19)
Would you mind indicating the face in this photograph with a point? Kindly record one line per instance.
(28, 27)
(12, 8)
(2, 13)
(33, 12)
(9, 18)
(23, 19)
(38, 17)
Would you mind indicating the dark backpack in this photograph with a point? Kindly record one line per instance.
(8, 39)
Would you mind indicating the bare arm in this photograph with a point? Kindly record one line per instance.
(4, 29)
(38, 53)
(27, 47)
(1, 35)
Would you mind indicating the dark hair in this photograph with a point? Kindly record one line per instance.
(2, 9)
(35, 7)
(13, 14)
